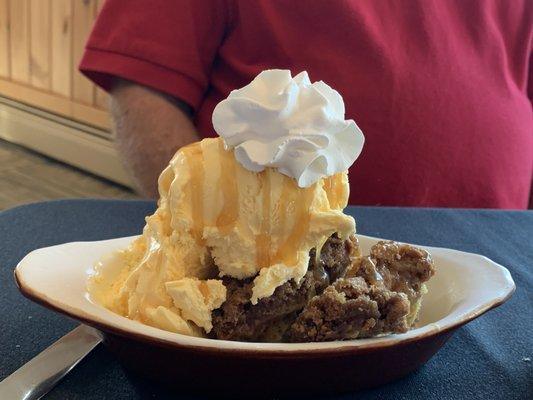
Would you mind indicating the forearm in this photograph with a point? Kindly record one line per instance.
(149, 127)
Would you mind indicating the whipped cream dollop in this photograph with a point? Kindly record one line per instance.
(290, 124)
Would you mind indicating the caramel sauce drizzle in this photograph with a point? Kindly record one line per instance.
(287, 252)
(262, 241)
(227, 184)
(287, 199)
(202, 287)
(194, 156)
(334, 190)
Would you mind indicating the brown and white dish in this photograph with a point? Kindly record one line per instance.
(466, 286)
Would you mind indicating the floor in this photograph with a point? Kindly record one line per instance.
(27, 177)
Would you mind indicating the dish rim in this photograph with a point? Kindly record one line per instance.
(351, 347)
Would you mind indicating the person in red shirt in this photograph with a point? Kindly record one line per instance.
(439, 87)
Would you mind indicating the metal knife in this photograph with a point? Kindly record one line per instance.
(35, 378)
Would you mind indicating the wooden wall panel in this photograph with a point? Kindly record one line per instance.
(61, 47)
(20, 40)
(4, 38)
(82, 22)
(40, 44)
(56, 104)
(101, 98)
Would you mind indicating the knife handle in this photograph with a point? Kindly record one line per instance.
(35, 378)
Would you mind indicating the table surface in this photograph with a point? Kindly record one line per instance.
(489, 358)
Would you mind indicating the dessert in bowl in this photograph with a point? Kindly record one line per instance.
(465, 286)
(249, 261)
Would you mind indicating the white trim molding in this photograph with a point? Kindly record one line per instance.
(74, 143)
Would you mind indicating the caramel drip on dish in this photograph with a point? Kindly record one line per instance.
(334, 190)
(195, 161)
(262, 240)
(227, 184)
(288, 251)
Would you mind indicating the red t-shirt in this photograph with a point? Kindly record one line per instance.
(439, 87)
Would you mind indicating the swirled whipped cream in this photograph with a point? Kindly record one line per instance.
(289, 124)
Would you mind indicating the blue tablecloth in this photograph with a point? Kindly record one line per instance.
(490, 358)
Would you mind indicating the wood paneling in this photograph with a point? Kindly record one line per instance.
(55, 103)
(40, 45)
(101, 98)
(82, 22)
(4, 38)
(19, 40)
(61, 47)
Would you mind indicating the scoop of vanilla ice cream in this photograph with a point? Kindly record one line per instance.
(215, 219)
(247, 222)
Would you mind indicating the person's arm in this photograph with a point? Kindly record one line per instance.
(169, 47)
(149, 127)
